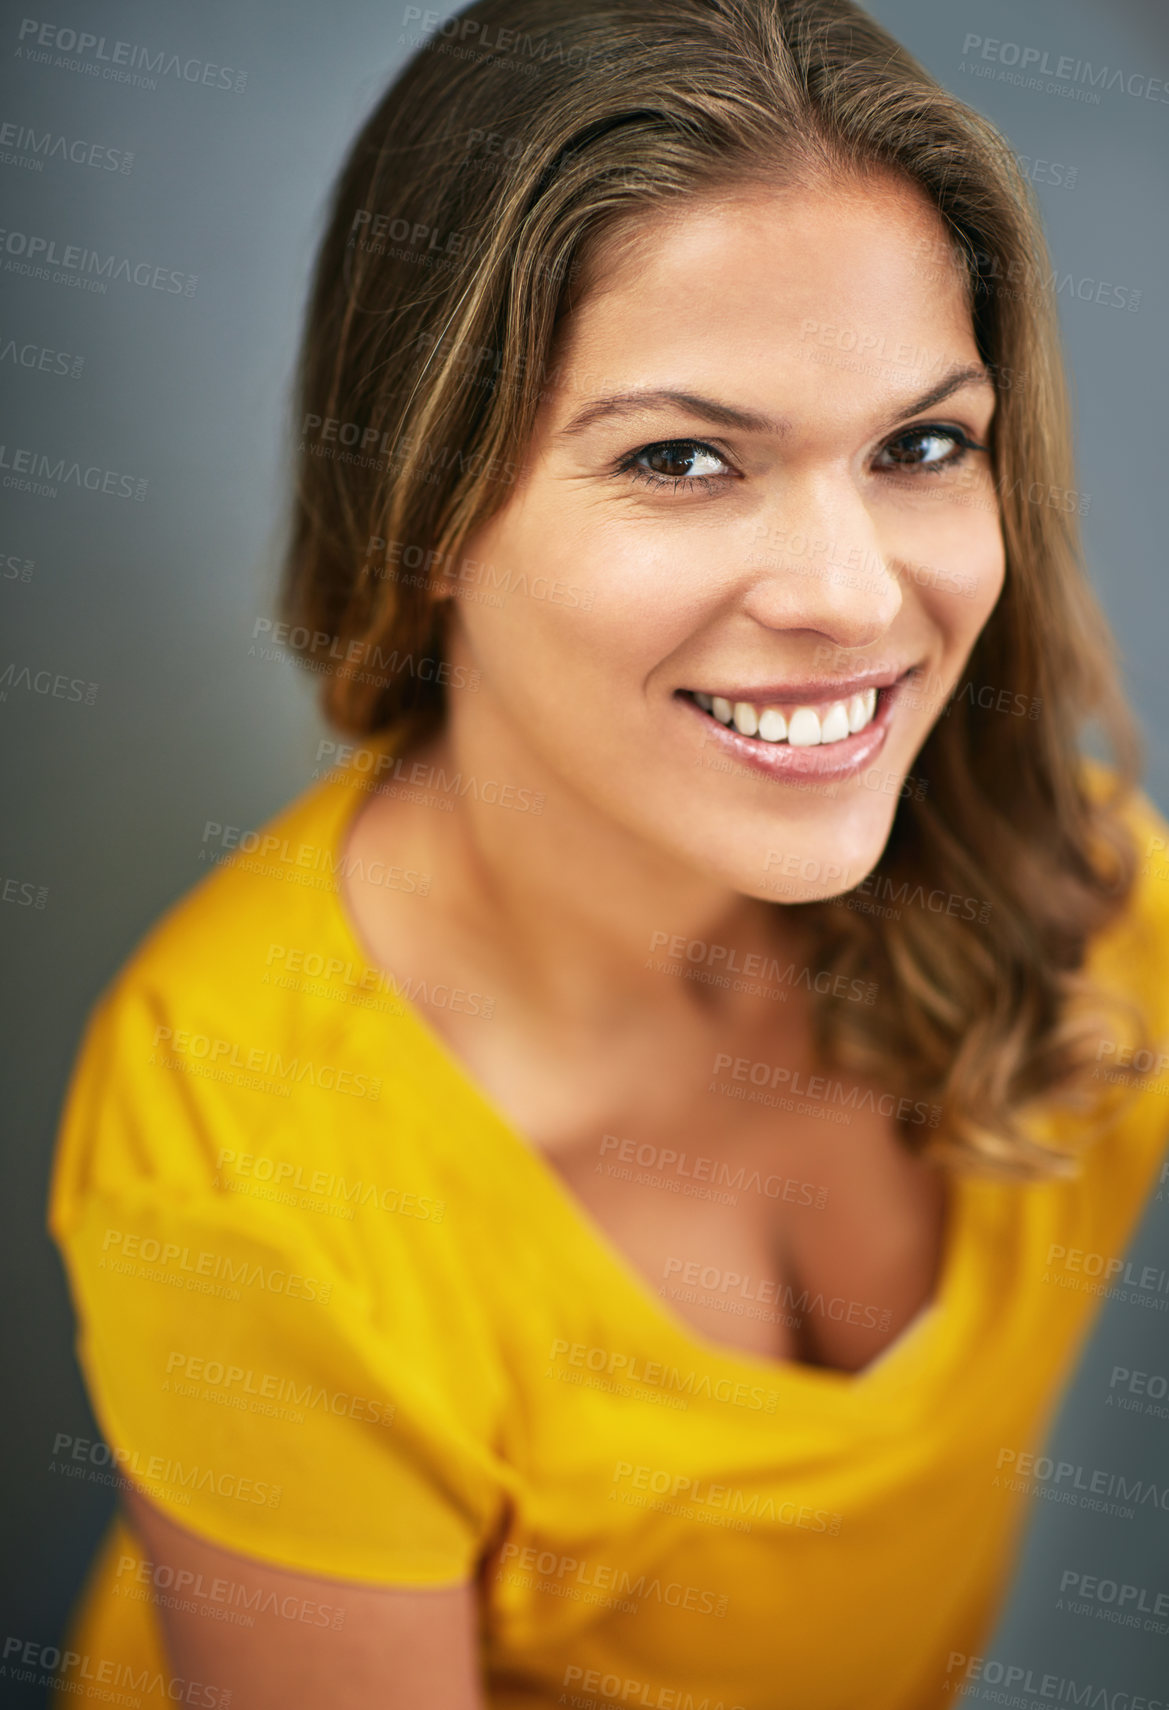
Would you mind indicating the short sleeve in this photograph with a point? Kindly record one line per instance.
(280, 1373)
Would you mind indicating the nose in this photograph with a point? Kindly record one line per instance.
(819, 564)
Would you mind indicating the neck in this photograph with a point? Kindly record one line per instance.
(575, 907)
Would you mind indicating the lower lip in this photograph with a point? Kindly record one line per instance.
(833, 760)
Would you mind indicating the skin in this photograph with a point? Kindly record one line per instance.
(688, 591)
(409, 1650)
(557, 914)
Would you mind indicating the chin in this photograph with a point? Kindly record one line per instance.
(789, 866)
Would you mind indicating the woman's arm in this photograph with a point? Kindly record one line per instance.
(401, 1649)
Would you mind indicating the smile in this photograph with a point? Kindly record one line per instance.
(801, 726)
(824, 730)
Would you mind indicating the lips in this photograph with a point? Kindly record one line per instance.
(825, 728)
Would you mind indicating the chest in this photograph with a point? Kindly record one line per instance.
(788, 1219)
(808, 1234)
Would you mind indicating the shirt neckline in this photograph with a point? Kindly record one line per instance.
(586, 1232)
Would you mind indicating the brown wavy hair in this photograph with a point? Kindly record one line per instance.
(464, 219)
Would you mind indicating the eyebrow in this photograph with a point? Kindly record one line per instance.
(748, 421)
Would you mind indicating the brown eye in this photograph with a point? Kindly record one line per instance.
(680, 460)
(925, 448)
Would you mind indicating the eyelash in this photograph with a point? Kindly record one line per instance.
(688, 483)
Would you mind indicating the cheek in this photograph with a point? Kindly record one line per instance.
(654, 590)
(582, 598)
(957, 569)
(982, 571)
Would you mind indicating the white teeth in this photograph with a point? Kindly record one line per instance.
(834, 727)
(807, 727)
(803, 729)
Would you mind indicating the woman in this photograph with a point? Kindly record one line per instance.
(572, 1211)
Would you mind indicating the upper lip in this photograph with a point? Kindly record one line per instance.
(807, 690)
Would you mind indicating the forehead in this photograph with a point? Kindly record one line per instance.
(848, 286)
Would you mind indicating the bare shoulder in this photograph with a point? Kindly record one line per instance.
(405, 1648)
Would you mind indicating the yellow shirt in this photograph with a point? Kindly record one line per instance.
(337, 1315)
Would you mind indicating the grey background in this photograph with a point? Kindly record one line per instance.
(155, 602)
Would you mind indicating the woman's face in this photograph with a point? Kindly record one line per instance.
(758, 492)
